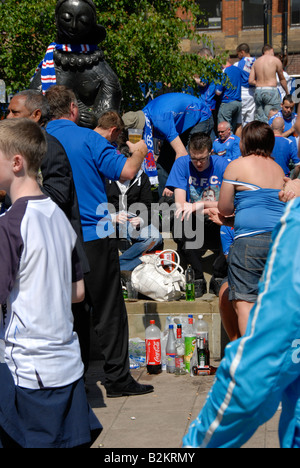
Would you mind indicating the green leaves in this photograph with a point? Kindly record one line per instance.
(143, 43)
(25, 28)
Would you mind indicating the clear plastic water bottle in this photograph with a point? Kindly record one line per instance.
(189, 342)
(202, 331)
(189, 284)
(153, 348)
(179, 359)
(171, 351)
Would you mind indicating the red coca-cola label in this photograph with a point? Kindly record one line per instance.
(153, 352)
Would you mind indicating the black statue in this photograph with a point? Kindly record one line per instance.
(75, 61)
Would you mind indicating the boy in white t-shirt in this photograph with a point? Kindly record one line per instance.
(42, 397)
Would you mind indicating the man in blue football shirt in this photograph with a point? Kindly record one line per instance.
(196, 180)
(93, 159)
(247, 91)
(231, 101)
(227, 145)
(285, 150)
(289, 116)
(171, 117)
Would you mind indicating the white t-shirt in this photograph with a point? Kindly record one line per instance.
(37, 268)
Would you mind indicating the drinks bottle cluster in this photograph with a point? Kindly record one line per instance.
(179, 349)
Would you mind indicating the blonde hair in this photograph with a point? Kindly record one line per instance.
(24, 137)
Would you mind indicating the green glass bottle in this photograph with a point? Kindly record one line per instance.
(190, 284)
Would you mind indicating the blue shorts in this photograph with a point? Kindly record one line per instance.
(246, 262)
(50, 418)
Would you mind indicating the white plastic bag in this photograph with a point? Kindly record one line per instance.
(151, 279)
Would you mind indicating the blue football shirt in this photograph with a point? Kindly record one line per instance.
(172, 114)
(204, 185)
(92, 159)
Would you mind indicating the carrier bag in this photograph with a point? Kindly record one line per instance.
(152, 280)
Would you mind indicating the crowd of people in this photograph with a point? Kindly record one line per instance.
(236, 183)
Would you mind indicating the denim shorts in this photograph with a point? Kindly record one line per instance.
(265, 100)
(246, 262)
(230, 112)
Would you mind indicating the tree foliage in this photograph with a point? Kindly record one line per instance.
(26, 27)
(143, 42)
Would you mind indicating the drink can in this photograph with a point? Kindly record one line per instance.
(189, 346)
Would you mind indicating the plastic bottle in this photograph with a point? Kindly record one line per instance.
(190, 284)
(153, 348)
(179, 358)
(125, 292)
(189, 342)
(202, 331)
(171, 351)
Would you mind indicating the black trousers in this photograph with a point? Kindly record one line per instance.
(212, 241)
(109, 315)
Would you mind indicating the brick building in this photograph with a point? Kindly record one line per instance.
(232, 22)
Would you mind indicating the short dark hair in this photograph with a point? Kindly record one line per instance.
(243, 47)
(36, 100)
(257, 138)
(266, 47)
(24, 137)
(289, 98)
(199, 142)
(60, 98)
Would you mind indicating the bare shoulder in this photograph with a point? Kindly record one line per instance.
(278, 63)
(232, 169)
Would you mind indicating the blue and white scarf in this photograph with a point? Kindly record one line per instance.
(48, 75)
(149, 164)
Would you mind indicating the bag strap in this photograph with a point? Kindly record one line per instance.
(158, 262)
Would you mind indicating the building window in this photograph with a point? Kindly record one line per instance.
(211, 17)
(253, 13)
(295, 12)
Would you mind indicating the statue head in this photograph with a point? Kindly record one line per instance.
(76, 22)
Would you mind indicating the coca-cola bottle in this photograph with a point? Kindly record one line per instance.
(153, 348)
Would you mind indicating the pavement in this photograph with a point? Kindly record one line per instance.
(157, 420)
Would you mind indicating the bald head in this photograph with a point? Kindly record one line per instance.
(224, 130)
(278, 125)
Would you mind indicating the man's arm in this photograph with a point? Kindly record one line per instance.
(133, 164)
(252, 76)
(57, 174)
(291, 189)
(289, 132)
(78, 291)
(178, 147)
(296, 172)
(281, 77)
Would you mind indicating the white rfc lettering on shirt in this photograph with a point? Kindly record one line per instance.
(203, 181)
